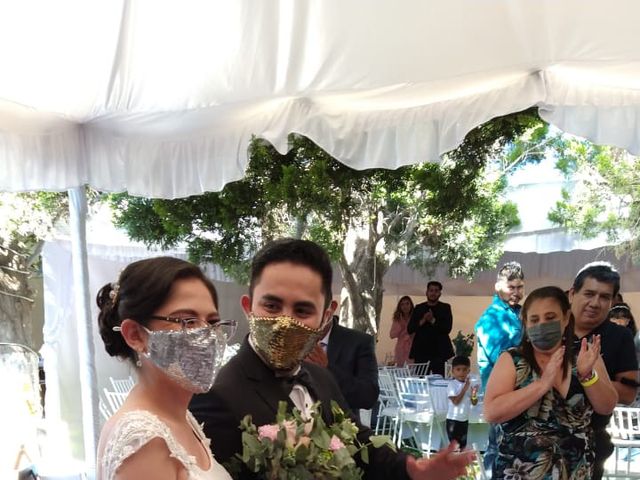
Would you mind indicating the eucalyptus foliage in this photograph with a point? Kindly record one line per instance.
(604, 197)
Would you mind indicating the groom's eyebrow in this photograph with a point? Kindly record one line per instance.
(268, 297)
(305, 304)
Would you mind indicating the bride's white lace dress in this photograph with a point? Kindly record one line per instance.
(134, 429)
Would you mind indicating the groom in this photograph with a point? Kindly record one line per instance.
(288, 307)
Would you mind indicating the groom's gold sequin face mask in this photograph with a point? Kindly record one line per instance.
(282, 341)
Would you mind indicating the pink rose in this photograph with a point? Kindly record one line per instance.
(335, 444)
(268, 431)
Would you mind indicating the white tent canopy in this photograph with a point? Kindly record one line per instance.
(162, 98)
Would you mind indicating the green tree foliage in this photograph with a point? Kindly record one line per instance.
(604, 196)
(450, 213)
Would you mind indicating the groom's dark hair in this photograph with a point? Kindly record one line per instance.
(299, 252)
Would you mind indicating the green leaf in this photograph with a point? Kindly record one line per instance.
(364, 454)
(379, 441)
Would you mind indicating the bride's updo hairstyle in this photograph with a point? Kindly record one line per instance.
(143, 287)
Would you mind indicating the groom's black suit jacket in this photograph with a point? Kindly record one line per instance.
(246, 385)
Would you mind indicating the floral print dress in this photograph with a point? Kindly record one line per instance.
(552, 439)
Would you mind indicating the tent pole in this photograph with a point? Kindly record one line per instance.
(86, 350)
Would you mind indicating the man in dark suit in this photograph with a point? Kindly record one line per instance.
(350, 355)
(431, 322)
(288, 307)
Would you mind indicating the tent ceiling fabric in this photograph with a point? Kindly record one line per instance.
(162, 98)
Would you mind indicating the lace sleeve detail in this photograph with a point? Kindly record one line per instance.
(132, 432)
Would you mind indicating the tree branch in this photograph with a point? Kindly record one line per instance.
(16, 253)
(15, 270)
(2, 292)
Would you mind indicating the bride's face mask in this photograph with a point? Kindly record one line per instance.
(282, 341)
(190, 356)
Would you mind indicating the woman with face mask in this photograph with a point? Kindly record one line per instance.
(543, 394)
(162, 315)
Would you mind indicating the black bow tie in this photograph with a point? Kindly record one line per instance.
(301, 378)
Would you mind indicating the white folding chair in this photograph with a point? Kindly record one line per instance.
(624, 428)
(388, 407)
(416, 412)
(418, 369)
(112, 402)
(104, 410)
(396, 372)
(122, 385)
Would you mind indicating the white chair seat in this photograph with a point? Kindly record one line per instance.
(418, 417)
(389, 411)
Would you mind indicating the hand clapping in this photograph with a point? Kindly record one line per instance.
(553, 369)
(427, 317)
(587, 356)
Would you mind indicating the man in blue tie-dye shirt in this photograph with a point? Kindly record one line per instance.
(498, 329)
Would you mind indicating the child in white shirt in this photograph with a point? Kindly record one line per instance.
(460, 399)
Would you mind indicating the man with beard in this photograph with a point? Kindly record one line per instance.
(288, 307)
(593, 291)
(431, 322)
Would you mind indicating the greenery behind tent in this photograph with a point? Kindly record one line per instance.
(453, 213)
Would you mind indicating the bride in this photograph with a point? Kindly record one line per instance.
(161, 315)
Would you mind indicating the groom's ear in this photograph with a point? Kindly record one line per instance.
(245, 302)
(333, 306)
(327, 317)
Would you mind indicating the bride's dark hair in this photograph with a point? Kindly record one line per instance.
(142, 288)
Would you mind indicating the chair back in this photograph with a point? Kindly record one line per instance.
(122, 385)
(418, 369)
(388, 394)
(625, 424)
(113, 400)
(399, 372)
(624, 428)
(414, 394)
(105, 412)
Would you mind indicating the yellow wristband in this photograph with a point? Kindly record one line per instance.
(590, 381)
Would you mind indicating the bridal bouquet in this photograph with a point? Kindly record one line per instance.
(297, 448)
